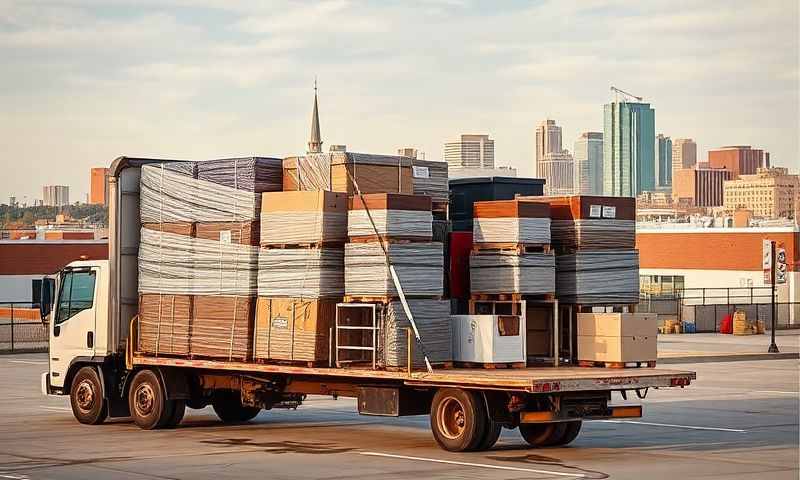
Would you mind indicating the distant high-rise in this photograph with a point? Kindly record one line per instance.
(548, 139)
(684, 154)
(470, 151)
(739, 159)
(55, 195)
(588, 164)
(98, 186)
(628, 149)
(557, 169)
(663, 149)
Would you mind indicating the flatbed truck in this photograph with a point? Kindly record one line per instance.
(92, 305)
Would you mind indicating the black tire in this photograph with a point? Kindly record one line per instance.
(571, 431)
(490, 436)
(148, 405)
(86, 397)
(458, 420)
(542, 434)
(178, 409)
(228, 407)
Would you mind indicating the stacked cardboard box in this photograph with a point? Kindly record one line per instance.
(617, 337)
(336, 171)
(594, 238)
(301, 274)
(511, 252)
(430, 178)
(198, 257)
(384, 229)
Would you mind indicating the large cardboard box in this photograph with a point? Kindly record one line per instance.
(294, 329)
(303, 217)
(222, 326)
(335, 171)
(164, 322)
(617, 337)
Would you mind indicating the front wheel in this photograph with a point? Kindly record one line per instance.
(86, 397)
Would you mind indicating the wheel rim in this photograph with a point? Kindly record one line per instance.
(452, 418)
(84, 396)
(144, 400)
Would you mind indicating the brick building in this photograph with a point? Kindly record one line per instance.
(769, 193)
(700, 187)
(739, 159)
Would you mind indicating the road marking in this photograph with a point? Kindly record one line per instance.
(28, 362)
(469, 464)
(14, 477)
(776, 391)
(60, 409)
(670, 425)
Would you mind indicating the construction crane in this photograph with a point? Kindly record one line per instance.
(625, 95)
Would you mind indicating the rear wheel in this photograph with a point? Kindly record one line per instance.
(228, 407)
(178, 409)
(570, 433)
(543, 434)
(148, 405)
(458, 420)
(490, 437)
(86, 397)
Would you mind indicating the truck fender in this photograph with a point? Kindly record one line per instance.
(176, 385)
(79, 362)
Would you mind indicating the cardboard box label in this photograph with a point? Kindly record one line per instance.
(421, 172)
(280, 322)
(595, 211)
(225, 236)
(609, 211)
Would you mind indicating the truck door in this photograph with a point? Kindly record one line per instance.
(72, 331)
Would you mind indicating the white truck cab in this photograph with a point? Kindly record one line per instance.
(78, 324)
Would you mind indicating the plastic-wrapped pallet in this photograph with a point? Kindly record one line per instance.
(510, 272)
(598, 277)
(511, 221)
(303, 217)
(252, 174)
(390, 215)
(430, 178)
(432, 318)
(418, 265)
(301, 272)
(335, 172)
(182, 265)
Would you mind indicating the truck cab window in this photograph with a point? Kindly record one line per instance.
(76, 295)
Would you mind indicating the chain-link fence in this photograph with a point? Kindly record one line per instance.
(21, 328)
(705, 308)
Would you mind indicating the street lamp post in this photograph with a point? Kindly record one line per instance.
(773, 347)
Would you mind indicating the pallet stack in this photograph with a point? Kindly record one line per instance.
(300, 275)
(392, 228)
(198, 256)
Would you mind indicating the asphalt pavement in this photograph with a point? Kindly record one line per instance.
(738, 420)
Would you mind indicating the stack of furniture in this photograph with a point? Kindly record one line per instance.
(383, 229)
(198, 257)
(300, 275)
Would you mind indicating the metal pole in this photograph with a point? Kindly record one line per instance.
(410, 350)
(773, 348)
(555, 333)
(12, 327)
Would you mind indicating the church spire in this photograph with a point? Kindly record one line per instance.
(315, 142)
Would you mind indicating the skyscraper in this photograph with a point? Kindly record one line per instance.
(548, 139)
(663, 161)
(98, 186)
(557, 169)
(55, 195)
(470, 151)
(588, 164)
(684, 154)
(739, 159)
(628, 149)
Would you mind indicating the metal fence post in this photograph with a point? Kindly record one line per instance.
(12, 327)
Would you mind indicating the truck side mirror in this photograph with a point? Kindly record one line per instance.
(46, 297)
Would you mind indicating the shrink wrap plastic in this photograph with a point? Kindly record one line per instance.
(511, 229)
(418, 266)
(601, 277)
(433, 321)
(398, 223)
(594, 233)
(510, 272)
(301, 272)
(303, 227)
(435, 184)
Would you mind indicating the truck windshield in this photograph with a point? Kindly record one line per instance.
(76, 295)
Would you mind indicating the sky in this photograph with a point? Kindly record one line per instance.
(83, 82)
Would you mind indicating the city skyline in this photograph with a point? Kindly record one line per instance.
(211, 79)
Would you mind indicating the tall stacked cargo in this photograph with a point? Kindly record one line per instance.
(198, 255)
(301, 274)
(341, 171)
(396, 229)
(594, 237)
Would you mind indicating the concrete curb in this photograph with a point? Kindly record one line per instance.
(743, 357)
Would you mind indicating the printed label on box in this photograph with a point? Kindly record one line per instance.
(280, 322)
(225, 236)
(609, 212)
(594, 211)
(421, 172)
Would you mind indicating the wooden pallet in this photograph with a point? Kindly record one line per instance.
(512, 297)
(436, 366)
(519, 248)
(306, 245)
(293, 363)
(616, 307)
(481, 307)
(382, 299)
(595, 364)
(490, 366)
(440, 206)
(389, 239)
